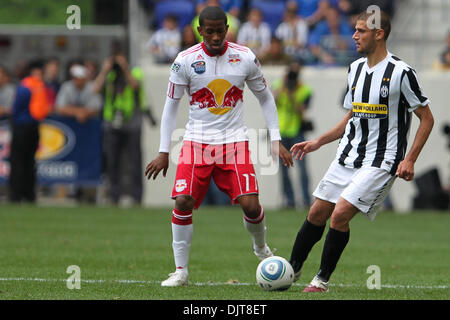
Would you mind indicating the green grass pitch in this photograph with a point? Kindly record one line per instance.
(126, 253)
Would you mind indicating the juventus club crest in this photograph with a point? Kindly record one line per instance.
(384, 91)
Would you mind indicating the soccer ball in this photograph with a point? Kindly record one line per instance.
(274, 273)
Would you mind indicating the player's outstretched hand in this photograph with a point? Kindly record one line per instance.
(405, 170)
(299, 150)
(161, 162)
(283, 153)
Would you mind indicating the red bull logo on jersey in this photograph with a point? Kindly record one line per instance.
(234, 59)
(219, 96)
(180, 185)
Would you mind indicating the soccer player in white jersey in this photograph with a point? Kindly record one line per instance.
(213, 73)
(383, 92)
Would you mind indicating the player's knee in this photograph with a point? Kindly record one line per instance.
(250, 205)
(252, 210)
(184, 203)
(318, 216)
(340, 220)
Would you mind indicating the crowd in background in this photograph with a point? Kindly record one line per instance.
(113, 92)
(308, 32)
(311, 32)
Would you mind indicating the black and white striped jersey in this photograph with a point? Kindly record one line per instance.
(382, 99)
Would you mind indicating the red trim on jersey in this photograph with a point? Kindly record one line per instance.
(225, 48)
(171, 89)
(191, 50)
(237, 46)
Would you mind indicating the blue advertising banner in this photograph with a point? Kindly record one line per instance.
(68, 152)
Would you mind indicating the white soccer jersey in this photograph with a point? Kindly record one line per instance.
(382, 99)
(215, 85)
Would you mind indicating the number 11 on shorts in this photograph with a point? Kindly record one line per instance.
(247, 181)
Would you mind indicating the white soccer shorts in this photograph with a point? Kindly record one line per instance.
(365, 188)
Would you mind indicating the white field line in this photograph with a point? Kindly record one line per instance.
(201, 284)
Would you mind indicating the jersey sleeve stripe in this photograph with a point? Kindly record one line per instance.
(415, 85)
(404, 119)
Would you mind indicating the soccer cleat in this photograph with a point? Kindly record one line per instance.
(317, 285)
(176, 279)
(263, 253)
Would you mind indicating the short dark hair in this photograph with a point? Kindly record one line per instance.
(385, 21)
(212, 13)
(35, 64)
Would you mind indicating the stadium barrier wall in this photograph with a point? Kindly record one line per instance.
(325, 110)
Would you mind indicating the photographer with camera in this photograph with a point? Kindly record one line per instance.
(292, 98)
(124, 106)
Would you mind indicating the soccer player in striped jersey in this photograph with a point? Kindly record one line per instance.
(214, 74)
(383, 92)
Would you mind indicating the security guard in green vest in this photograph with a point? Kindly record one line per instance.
(124, 106)
(292, 98)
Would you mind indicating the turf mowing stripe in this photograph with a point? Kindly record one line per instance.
(200, 284)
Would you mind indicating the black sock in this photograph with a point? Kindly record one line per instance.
(307, 237)
(335, 243)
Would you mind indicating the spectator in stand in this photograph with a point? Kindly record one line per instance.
(92, 68)
(77, 98)
(293, 98)
(443, 63)
(165, 43)
(276, 54)
(352, 8)
(312, 11)
(6, 92)
(20, 70)
(331, 41)
(445, 56)
(293, 32)
(188, 39)
(123, 111)
(233, 7)
(233, 21)
(51, 79)
(255, 34)
(29, 108)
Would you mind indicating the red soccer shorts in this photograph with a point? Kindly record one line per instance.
(228, 164)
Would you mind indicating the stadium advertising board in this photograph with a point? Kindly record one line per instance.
(68, 152)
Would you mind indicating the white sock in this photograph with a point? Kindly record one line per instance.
(257, 229)
(181, 241)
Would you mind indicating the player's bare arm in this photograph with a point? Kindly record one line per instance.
(299, 150)
(405, 168)
(161, 162)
